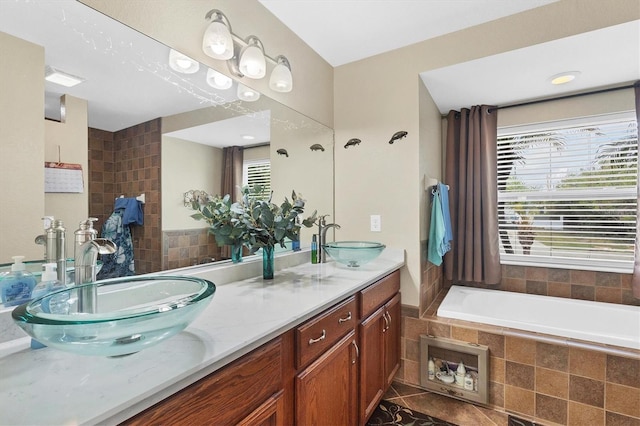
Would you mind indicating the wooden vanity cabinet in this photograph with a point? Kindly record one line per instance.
(326, 390)
(379, 341)
(249, 391)
(331, 370)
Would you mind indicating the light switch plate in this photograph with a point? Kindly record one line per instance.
(376, 225)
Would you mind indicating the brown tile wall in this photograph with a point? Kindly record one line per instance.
(188, 247)
(127, 163)
(543, 380)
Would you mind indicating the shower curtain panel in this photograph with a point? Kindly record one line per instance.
(471, 173)
(231, 180)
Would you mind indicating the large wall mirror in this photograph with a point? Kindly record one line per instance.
(156, 131)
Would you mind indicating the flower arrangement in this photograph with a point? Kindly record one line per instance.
(268, 224)
(253, 221)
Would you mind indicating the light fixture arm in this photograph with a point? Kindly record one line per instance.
(216, 15)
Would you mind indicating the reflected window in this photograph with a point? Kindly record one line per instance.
(257, 172)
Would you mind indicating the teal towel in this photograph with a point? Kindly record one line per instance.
(436, 233)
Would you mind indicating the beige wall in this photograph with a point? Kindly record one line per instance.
(66, 141)
(388, 181)
(21, 147)
(371, 99)
(186, 165)
(181, 24)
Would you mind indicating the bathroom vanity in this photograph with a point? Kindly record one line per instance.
(317, 345)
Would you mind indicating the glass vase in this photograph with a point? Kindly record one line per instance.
(236, 253)
(267, 262)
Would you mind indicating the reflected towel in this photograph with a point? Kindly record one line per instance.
(436, 232)
(443, 191)
(132, 210)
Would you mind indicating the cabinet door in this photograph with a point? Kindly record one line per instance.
(270, 413)
(372, 374)
(326, 391)
(392, 339)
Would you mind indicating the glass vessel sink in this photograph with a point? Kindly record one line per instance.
(353, 253)
(133, 313)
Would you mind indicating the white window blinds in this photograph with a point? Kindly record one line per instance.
(258, 172)
(567, 193)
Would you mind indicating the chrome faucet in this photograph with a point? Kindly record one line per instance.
(86, 250)
(323, 227)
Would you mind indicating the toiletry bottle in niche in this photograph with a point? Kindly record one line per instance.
(431, 369)
(460, 373)
(314, 249)
(18, 284)
(468, 382)
(55, 304)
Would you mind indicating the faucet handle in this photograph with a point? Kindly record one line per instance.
(321, 219)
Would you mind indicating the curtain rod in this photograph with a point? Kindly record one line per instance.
(258, 145)
(576, 95)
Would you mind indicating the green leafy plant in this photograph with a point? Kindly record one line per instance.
(269, 224)
(253, 221)
(224, 217)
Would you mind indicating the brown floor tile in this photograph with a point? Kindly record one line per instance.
(448, 409)
(445, 408)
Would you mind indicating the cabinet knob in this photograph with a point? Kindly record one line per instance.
(312, 341)
(345, 319)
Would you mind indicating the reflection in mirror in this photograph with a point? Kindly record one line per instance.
(150, 129)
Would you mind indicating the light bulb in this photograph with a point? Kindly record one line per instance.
(217, 41)
(252, 62)
(281, 79)
(218, 80)
(247, 94)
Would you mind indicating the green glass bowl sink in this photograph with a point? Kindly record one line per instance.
(133, 313)
(353, 253)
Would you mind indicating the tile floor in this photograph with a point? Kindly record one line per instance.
(444, 408)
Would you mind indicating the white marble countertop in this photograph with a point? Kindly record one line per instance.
(51, 387)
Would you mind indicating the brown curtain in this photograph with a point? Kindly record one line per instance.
(635, 282)
(471, 173)
(231, 180)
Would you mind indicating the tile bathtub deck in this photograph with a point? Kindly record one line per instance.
(442, 407)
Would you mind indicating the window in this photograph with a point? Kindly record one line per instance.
(257, 172)
(567, 193)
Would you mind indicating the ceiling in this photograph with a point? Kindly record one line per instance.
(363, 28)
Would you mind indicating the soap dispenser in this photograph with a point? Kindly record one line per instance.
(56, 304)
(18, 284)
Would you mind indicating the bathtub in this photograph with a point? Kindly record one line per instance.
(605, 323)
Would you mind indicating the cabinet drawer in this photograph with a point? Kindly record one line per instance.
(318, 334)
(378, 293)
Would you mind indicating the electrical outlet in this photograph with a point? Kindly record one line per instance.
(376, 224)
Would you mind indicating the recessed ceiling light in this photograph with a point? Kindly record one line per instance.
(60, 77)
(248, 137)
(564, 78)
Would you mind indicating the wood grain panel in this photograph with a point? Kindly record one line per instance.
(378, 293)
(224, 397)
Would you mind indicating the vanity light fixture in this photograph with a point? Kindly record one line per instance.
(245, 57)
(217, 41)
(564, 78)
(247, 94)
(218, 80)
(60, 77)
(182, 63)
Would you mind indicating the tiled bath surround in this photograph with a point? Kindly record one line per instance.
(535, 376)
(127, 162)
(188, 247)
